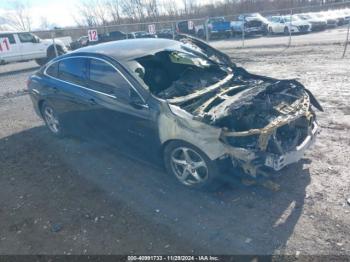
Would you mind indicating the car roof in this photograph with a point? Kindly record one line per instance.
(131, 48)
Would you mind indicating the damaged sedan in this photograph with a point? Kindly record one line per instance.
(183, 100)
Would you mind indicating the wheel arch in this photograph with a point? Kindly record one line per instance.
(41, 102)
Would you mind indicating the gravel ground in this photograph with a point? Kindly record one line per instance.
(74, 196)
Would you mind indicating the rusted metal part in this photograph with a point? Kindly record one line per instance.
(222, 95)
(182, 99)
(290, 113)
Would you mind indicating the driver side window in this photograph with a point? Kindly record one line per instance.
(106, 79)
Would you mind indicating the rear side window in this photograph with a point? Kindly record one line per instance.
(73, 70)
(52, 70)
(104, 78)
(26, 37)
(10, 37)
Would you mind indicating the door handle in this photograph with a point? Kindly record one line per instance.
(92, 101)
(55, 89)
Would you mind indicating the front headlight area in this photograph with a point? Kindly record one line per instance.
(271, 149)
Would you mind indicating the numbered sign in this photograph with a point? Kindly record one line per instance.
(5, 45)
(152, 29)
(93, 36)
(190, 25)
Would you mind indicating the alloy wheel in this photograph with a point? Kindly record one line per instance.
(51, 120)
(188, 166)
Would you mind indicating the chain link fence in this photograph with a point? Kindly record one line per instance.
(238, 29)
(236, 39)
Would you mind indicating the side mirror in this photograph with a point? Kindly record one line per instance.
(36, 40)
(136, 101)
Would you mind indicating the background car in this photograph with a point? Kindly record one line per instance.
(295, 25)
(331, 21)
(317, 24)
(252, 24)
(80, 42)
(143, 34)
(165, 33)
(24, 46)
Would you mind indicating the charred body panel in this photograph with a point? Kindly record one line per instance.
(261, 123)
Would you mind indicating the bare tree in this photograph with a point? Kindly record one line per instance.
(115, 11)
(94, 12)
(170, 7)
(152, 9)
(44, 23)
(18, 17)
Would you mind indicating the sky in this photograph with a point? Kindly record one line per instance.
(57, 12)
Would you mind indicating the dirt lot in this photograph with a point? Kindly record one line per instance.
(76, 197)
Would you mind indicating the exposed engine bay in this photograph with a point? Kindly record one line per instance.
(266, 116)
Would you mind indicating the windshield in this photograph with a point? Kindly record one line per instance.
(294, 19)
(172, 73)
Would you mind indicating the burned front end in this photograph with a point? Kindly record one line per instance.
(266, 123)
(256, 123)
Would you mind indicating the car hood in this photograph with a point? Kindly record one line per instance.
(48, 42)
(244, 104)
(298, 23)
(316, 21)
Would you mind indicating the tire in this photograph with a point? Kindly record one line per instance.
(233, 33)
(181, 159)
(53, 123)
(51, 54)
(41, 61)
(286, 31)
(270, 31)
(201, 33)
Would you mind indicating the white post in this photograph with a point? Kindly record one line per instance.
(346, 41)
(206, 30)
(53, 42)
(243, 31)
(173, 28)
(290, 28)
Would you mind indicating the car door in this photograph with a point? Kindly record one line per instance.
(30, 47)
(65, 88)
(278, 25)
(9, 51)
(120, 115)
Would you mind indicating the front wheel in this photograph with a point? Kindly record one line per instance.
(41, 61)
(52, 120)
(190, 166)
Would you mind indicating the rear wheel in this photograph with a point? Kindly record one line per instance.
(190, 166)
(51, 53)
(201, 33)
(41, 61)
(52, 120)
